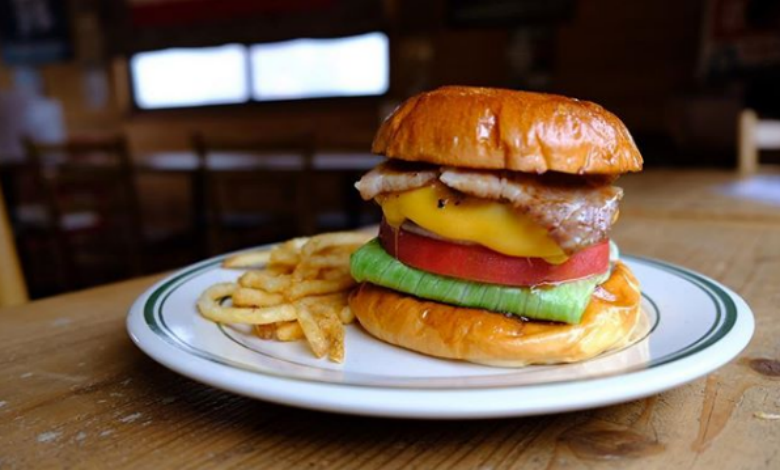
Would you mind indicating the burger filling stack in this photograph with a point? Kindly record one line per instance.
(494, 246)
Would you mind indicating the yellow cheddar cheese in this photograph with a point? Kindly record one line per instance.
(451, 215)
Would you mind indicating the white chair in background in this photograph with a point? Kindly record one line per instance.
(755, 134)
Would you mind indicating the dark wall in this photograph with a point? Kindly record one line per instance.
(637, 58)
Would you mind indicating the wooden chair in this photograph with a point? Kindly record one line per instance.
(13, 290)
(89, 200)
(255, 188)
(755, 134)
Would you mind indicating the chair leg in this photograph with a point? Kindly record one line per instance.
(135, 261)
(351, 200)
(748, 151)
(216, 239)
(68, 276)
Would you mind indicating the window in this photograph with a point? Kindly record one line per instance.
(316, 68)
(190, 77)
(235, 73)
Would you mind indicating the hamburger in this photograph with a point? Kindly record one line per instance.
(494, 244)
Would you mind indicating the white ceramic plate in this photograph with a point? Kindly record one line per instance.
(693, 326)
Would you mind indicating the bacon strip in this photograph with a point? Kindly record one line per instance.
(391, 177)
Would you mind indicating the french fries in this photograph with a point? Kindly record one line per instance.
(346, 315)
(299, 292)
(306, 288)
(289, 253)
(244, 297)
(266, 331)
(267, 281)
(313, 331)
(246, 260)
(331, 324)
(210, 306)
(289, 331)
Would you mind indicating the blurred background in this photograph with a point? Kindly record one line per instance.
(141, 135)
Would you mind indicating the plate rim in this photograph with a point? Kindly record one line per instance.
(234, 379)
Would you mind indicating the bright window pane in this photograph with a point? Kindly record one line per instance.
(190, 77)
(314, 68)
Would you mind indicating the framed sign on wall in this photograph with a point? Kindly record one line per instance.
(34, 32)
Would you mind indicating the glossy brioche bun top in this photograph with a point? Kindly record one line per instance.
(485, 337)
(487, 128)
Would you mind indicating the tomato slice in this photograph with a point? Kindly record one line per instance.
(477, 263)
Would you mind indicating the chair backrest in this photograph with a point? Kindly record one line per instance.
(94, 175)
(347, 142)
(341, 161)
(13, 289)
(755, 134)
(272, 176)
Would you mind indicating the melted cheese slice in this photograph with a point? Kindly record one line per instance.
(456, 217)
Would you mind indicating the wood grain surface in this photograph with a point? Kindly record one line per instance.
(76, 393)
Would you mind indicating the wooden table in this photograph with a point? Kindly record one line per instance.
(75, 392)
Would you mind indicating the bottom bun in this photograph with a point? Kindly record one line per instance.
(485, 337)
